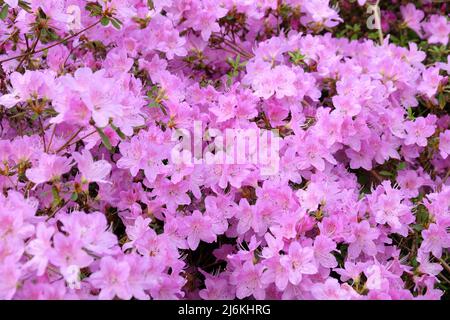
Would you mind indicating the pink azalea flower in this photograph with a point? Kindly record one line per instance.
(50, 167)
(362, 239)
(437, 29)
(412, 17)
(435, 238)
(112, 279)
(418, 132)
(323, 247)
(30, 85)
(40, 248)
(444, 143)
(173, 195)
(299, 261)
(68, 251)
(247, 280)
(10, 273)
(332, 290)
(91, 229)
(92, 171)
(216, 288)
(430, 82)
(197, 227)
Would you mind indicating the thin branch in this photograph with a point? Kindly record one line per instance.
(52, 45)
(67, 143)
(42, 132)
(51, 139)
(444, 264)
(32, 50)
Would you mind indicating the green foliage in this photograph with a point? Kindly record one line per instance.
(296, 57)
(105, 139)
(236, 65)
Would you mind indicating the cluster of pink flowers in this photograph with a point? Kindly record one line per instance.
(93, 205)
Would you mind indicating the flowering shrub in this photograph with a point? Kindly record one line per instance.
(99, 201)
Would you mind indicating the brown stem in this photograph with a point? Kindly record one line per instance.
(31, 51)
(444, 264)
(67, 143)
(52, 45)
(42, 132)
(51, 139)
(83, 137)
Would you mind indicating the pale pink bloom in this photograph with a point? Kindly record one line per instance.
(418, 132)
(444, 144)
(247, 280)
(198, 227)
(12, 3)
(217, 288)
(299, 261)
(92, 230)
(437, 29)
(362, 239)
(40, 248)
(435, 238)
(332, 290)
(112, 279)
(430, 82)
(412, 17)
(92, 171)
(10, 273)
(50, 167)
(323, 247)
(68, 251)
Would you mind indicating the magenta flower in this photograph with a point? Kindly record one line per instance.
(119, 177)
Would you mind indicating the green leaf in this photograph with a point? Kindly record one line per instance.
(34, 116)
(25, 6)
(296, 57)
(442, 101)
(386, 173)
(401, 166)
(105, 139)
(104, 21)
(4, 12)
(94, 8)
(410, 114)
(74, 196)
(56, 197)
(118, 131)
(116, 23)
